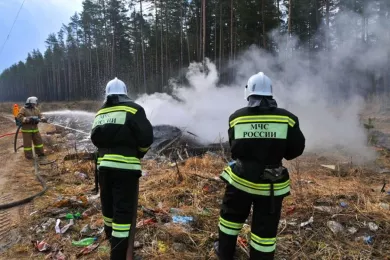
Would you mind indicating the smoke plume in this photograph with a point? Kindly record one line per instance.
(324, 88)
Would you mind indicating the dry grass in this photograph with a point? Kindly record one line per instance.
(199, 195)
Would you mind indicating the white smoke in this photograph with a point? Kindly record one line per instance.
(313, 89)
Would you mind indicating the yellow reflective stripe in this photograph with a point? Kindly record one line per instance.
(239, 186)
(264, 241)
(277, 186)
(108, 224)
(38, 146)
(117, 108)
(262, 118)
(265, 249)
(30, 131)
(121, 159)
(228, 231)
(143, 149)
(107, 219)
(27, 148)
(120, 234)
(117, 165)
(121, 227)
(230, 224)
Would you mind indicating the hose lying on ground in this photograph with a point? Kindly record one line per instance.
(26, 200)
(16, 139)
(9, 134)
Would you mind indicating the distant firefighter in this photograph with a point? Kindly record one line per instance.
(29, 116)
(260, 136)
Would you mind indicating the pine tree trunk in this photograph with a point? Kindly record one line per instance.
(143, 48)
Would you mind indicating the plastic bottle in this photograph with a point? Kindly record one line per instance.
(84, 242)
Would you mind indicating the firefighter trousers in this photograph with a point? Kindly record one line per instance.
(119, 198)
(236, 206)
(30, 138)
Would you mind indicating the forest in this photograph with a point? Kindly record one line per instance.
(146, 43)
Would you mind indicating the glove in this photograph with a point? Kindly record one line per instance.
(35, 120)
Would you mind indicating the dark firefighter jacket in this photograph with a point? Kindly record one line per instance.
(122, 134)
(24, 114)
(260, 137)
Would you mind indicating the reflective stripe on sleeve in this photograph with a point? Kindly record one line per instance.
(262, 119)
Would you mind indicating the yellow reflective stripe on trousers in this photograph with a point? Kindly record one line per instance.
(277, 186)
(117, 165)
(120, 234)
(30, 131)
(279, 192)
(121, 227)
(262, 118)
(27, 148)
(266, 245)
(228, 227)
(38, 146)
(120, 158)
(107, 221)
(117, 108)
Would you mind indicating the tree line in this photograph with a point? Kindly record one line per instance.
(147, 42)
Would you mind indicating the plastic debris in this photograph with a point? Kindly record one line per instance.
(146, 222)
(352, 230)
(162, 248)
(366, 239)
(328, 209)
(311, 220)
(343, 204)
(182, 219)
(57, 227)
(385, 206)
(81, 175)
(89, 212)
(73, 216)
(372, 226)
(42, 246)
(57, 255)
(66, 227)
(332, 167)
(335, 227)
(46, 225)
(88, 249)
(84, 242)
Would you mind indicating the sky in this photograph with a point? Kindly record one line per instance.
(36, 21)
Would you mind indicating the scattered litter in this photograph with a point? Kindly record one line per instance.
(66, 227)
(328, 209)
(352, 230)
(88, 249)
(373, 226)
(146, 222)
(81, 175)
(366, 239)
(311, 220)
(84, 242)
(46, 225)
(385, 206)
(41, 246)
(182, 219)
(335, 227)
(89, 212)
(162, 248)
(332, 167)
(57, 227)
(144, 173)
(57, 255)
(343, 204)
(73, 216)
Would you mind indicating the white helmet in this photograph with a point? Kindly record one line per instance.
(259, 84)
(116, 87)
(32, 100)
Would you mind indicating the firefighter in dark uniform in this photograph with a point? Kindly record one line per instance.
(260, 136)
(123, 134)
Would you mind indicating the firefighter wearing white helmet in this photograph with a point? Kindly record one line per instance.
(30, 116)
(260, 136)
(123, 134)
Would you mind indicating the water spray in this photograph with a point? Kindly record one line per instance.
(66, 127)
